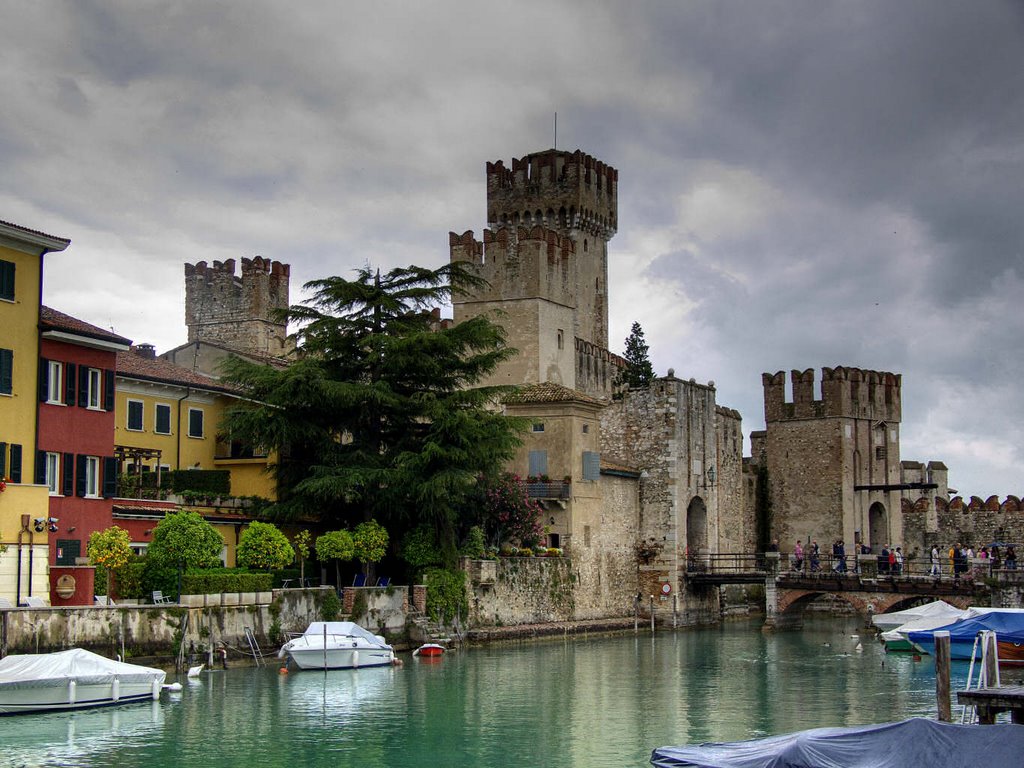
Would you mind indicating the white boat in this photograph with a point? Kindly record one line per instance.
(337, 645)
(73, 679)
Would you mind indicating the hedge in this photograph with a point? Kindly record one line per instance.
(211, 581)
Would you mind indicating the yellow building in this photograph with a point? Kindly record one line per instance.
(168, 418)
(24, 505)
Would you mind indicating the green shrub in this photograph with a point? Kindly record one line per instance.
(474, 545)
(210, 581)
(330, 607)
(446, 593)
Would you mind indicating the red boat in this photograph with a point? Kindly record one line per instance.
(429, 649)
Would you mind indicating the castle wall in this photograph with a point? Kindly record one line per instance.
(674, 433)
(238, 312)
(976, 522)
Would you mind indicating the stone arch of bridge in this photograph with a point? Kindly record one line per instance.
(792, 602)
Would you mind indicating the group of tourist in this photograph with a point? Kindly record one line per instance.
(807, 556)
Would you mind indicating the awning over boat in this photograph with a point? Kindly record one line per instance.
(938, 609)
(342, 628)
(36, 670)
(1008, 626)
(891, 745)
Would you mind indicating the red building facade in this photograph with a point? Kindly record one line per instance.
(75, 445)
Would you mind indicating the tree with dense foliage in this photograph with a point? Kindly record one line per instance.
(638, 371)
(336, 546)
(379, 417)
(264, 548)
(508, 512)
(370, 542)
(420, 550)
(110, 549)
(186, 540)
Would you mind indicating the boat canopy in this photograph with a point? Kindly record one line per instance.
(343, 628)
(916, 741)
(938, 608)
(1008, 626)
(37, 670)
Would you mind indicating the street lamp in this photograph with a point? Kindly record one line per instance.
(711, 476)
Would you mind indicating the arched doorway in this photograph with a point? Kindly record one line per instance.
(878, 526)
(696, 532)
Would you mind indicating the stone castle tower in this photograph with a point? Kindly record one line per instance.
(238, 313)
(545, 255)
(833, 463)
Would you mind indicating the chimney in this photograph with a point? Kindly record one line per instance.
(147, 351)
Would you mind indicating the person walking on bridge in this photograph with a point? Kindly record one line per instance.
(936, 571)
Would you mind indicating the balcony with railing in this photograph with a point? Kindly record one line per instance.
(549, 490)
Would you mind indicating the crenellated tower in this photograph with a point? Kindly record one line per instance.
(575, 195)
(239, 313)
(834, 460)
(545, 255)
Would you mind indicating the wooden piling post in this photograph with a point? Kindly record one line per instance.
(942, 677)
(652, 614)
(675, 611)
(991, 660)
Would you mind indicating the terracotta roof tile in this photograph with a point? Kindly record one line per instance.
(134, 366)
(33, 231)
(549, 392)
(51, 319)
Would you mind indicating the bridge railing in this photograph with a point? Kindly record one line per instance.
(726, 562)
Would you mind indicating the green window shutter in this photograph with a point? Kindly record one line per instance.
(163, 419)
(80, 475)
(44, 379)
(108, 390)
(6, 371)
(3, 460)
(109, 477)
(83, 386)
(69, 383)
(7, 280)
(591, 465)
(15, 471)
(68, 485)
(40, 467)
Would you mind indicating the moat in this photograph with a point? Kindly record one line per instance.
(602, 701)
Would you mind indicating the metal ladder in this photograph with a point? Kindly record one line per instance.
(254, 648)
(987, 640)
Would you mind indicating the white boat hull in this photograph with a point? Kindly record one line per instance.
(341, 658)
(77, 696)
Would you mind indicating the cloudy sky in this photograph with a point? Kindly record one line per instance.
(801, 184)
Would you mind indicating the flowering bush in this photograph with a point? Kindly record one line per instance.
(509, 513)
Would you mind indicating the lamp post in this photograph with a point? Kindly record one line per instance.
(711, 477)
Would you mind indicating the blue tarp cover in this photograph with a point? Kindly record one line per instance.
(914, 743)
(1009, 627)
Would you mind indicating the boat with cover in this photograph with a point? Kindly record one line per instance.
(916, 741)
(935, 609)
(897, 640)
(337, 645)
(72, 679)
(1007, 623)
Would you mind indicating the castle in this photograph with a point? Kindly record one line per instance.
(640, 485)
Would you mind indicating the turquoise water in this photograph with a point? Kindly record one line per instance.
(587, 702)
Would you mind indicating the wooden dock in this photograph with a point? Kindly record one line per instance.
(989, 702)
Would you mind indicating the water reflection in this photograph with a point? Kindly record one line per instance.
(578, 703)
(60, 738)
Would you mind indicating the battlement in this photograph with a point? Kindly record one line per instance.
(239, 312)
(845, 392)
(562, 190)
(519, 263)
